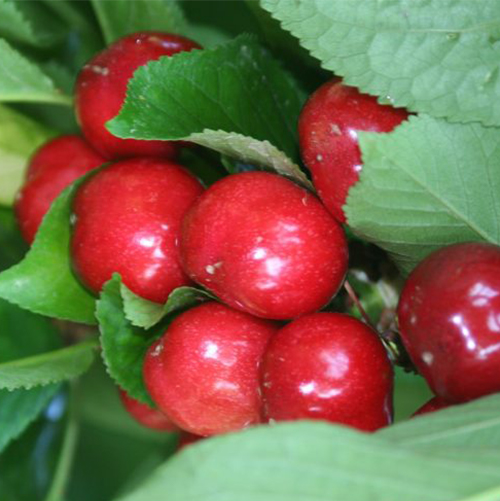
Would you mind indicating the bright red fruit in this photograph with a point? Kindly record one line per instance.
(127, 220)
(449, 320)
(143, 414)
(328, 366)
(52, 168)
(204, 372)
(264, 245)
(102, 84)
(434, 404)
(328, 127)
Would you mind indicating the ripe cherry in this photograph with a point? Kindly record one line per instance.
(264, 245)
(145, 415)
(449, 319)
(204, 372)
(52, 168)
(127, 220)
(434, 404)
(102, 84)
(328, 127)
(328, 366)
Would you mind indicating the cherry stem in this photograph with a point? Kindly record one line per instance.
(354, 297)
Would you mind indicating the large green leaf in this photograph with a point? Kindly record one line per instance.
(19, 137)
(30, 23)
(23, 81)
(436, 56)
(425, 185)
(123, 345)
(236, 87)
(314, 461)
(475, 424)
(43, 282)
(121, 17)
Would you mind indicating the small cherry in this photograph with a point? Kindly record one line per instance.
(449, 320)
(102, 85)
(127, 220)
(52, 168)
(264, 245)
(434, 404)
(328, 366)
(204, 372)
(145, 415)
(328, 136)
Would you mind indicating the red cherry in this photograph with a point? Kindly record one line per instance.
(186, 439)
(102, 84)
(52, 168)
(264, 245)
(449, 319)
(434, 404)
(204, 372)
(127, 220)
(328, 137)
(143, 414)
(328, 366)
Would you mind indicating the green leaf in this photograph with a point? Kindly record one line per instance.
(143, 313)
(123, 345)
(475, 424)
(426, 185)
(312, 460)
(439, 56)
(30, 23)
(122, 17)
(236, 87)
(51, 367)
(21, 80)
(20, 136)
(23, 334)
(43, 281)
(250, 151)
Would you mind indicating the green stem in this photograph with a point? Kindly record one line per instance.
(70, 440)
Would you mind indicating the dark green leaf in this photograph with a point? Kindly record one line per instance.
(12, 245)
(438, 56)
(123, 345)
(43, 282)
(122, 17)
(313, 461)
(426, 185)
(237, 87)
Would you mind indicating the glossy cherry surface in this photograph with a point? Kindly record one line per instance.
(264, 245)
(328, 366)
(434, 404)
(102, 84)
(144, 415)
(328, 135)
(449, 319)
(204, 372)
(52, 168)
(127, 220)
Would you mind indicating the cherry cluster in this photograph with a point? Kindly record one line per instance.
(273, 254)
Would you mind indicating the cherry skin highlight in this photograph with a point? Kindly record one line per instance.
(52, 168)
(434, 404)
(102, 85)
(328, 126)
(204, 372)
(264, 245)
(144, 415)
(127, 220)
(328, 366)
(449, 320)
